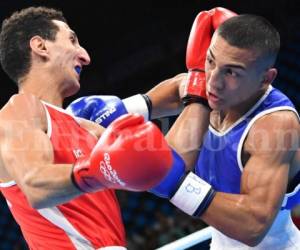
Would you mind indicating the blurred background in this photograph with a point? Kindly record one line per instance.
(133, 46)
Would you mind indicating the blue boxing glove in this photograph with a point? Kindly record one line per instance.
(100, 109)
(188, 191)
(104, 109)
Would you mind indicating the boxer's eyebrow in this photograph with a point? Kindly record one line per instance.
(230, 65)
(73, 34)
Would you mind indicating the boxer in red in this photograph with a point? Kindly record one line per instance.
(58, 172)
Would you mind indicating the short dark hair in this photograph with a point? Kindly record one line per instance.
(252, 32)
(16, 32)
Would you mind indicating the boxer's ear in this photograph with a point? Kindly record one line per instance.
(269, 76)
(38, 46)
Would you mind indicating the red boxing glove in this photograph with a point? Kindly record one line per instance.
(220, 15)
(130, 155)
(201, 33)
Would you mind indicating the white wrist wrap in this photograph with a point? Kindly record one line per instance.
(137, 104)
(191, 193)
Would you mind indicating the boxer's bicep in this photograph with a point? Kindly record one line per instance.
(265, 183)
(271, 144)
(25, 151)
(24, 140)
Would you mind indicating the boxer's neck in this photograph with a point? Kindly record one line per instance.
(43, 87)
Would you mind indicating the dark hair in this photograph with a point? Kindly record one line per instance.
(252, 32)
(16, 32)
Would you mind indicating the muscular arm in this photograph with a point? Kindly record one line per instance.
(165, 97)
(27, 154)
(193, 120)
(271, 144)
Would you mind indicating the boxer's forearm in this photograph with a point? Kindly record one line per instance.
(186, 134)
(165, 97)
(48, 185)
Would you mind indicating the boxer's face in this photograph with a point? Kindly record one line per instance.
(67, 58)
(234, 76)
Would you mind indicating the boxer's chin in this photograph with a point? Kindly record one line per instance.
(72, 89)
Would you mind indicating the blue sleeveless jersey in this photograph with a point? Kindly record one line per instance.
(219, 162)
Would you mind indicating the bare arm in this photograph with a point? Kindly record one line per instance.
(248, 216)
(186, 134)
(165, 97)
(27, 154)
(194, 119)
(94, 128)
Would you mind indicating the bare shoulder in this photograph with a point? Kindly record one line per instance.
(22, 115)
(23, 110)
(94, 128)
(22, 106)
(278, 131)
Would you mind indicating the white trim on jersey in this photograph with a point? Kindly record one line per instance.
(57, 108)
(76, 119)
(254, 119)
(49, 125)
(57, 218)
(217, 133)
(60, 110)
(53, 214)
(286, 197)
(8, 203)
(7, 184)
(49, 131)
(282, 235)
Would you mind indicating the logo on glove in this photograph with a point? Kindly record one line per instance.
(105, 115)
(109, 173)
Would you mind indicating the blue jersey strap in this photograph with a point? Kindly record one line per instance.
(292, 199)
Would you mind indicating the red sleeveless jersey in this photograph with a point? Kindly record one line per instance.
(90, 221)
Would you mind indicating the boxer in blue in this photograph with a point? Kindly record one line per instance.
(246, 176)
